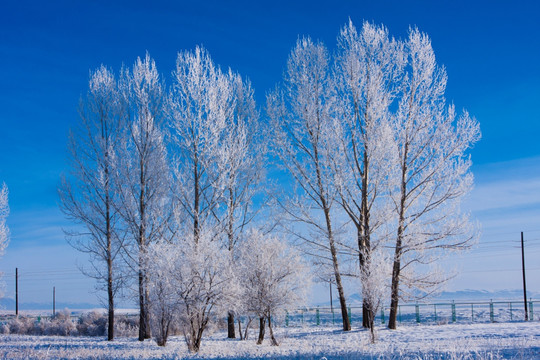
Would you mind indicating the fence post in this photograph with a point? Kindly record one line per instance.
(531, 313)
(333, 322)
(350, 319)
(511, 317)
(318, 317)
(435, 308)
(417, 313)
(286, 318)
(491, 317)
(472, 312)
(453, 312)
(302, 317)
(399, 308)
(382, 315)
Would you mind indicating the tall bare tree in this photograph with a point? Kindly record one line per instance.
(433, 173)
(144, 173)
(368, 65)
(300, 115)
(89, 194)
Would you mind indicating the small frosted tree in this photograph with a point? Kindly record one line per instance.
(190, 282)
(273, 278)
(160, 262)
(374, 277)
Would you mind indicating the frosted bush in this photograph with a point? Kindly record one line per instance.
(61, 324)
(93, 323)
(22, 325)
(126, 326)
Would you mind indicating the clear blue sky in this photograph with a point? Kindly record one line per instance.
(491, 50)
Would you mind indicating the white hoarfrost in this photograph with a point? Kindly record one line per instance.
(273, 278)
(4, 212)
(452, 342)
(191, 282)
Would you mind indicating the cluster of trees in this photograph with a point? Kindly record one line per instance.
(170, 182)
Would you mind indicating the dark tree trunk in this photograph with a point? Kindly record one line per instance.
(142, 309)
(333, 250)
(394, 301)
(394, 295)
(274, 341)
(240, 329)
(262, 325)
(110, 295)
(230, 326)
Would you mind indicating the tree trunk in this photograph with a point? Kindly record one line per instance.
(230, 326)
(337, 274)
(364, 241)
(110, 329)
(274, 341)
(240, 329)
(394, 295)
(142, 309)
(333, 250)
(148, 333)
(262, 324)
(394, 301)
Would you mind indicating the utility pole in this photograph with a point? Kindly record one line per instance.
(524, 283)
(54, 301)
(16, 291)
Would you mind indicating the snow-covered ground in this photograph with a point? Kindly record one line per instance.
(518, 340)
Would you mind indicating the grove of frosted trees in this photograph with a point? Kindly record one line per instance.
(170, 183)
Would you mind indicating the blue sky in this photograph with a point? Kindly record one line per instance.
(491, 50)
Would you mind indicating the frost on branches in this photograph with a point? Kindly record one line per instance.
(4, 212)
(368, 65)
(190, 282)
(144, 174)
(273, 278)
(433, 173)
(300, 114)
(89, 193)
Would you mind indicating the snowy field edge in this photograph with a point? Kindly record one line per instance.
(520, 340)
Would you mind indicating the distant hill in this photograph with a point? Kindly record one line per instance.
(9, 304)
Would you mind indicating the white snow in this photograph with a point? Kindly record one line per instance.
(517, 340)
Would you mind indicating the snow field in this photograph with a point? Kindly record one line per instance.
(454, 341)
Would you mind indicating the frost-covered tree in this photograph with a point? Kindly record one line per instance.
(433, 173)
(89, 193)
(368, 65)
(242, 151)
(4, 212)
(161, 258)
(190, 281)
(374, 277)
(144, 173)
(300, 116)
(200, 107)
(220, 161)
(272, 277)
